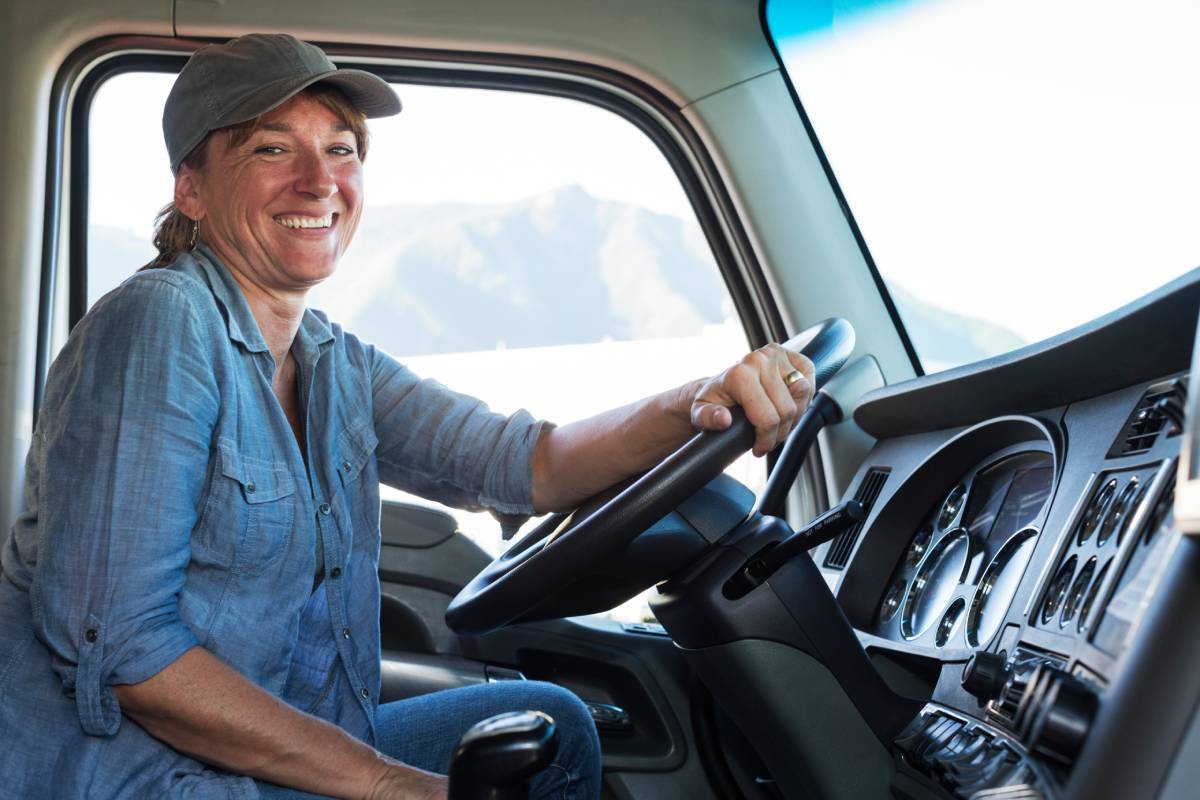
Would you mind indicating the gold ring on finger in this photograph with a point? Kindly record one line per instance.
(792, 377)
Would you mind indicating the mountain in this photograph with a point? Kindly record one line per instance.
(563, 267)
(944, 338)
(560, 268)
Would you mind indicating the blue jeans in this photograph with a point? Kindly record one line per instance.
(424, 731)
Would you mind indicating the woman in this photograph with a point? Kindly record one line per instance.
(200, 550)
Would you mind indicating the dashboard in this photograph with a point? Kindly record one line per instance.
(1007, 561)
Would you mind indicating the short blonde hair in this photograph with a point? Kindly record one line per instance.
(173, 230)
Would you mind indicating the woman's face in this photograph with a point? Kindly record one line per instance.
(281, 207)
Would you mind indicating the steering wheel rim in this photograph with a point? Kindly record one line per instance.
(555, 553)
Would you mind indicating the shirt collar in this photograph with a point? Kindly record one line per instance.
(312, 336)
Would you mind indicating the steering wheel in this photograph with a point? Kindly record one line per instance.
(564, 548)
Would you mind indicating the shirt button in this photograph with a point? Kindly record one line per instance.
(346, 633)
(336, 572)
(345, 466)
(365, 694)
(90, 635)
(324, 508)
(250, 487)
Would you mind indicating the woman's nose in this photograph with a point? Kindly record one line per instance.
(316, 177)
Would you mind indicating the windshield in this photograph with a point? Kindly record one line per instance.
(1016, 167)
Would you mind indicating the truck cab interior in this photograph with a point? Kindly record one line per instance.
(967, 574)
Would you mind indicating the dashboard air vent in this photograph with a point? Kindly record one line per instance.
(868, 491)
(1160, 407)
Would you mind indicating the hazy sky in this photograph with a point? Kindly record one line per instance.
(1031, 162)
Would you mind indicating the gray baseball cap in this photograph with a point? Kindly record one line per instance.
(224, 84)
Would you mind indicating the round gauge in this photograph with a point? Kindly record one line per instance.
(998, 586)
(937, 579)
(1078, 590)
(1119, 513)
(949, 622)
(1096, 510)
(1058, 590)
(1135, 502)
(952, 505)
(891, 601)
(1086, 609)
(920, 544)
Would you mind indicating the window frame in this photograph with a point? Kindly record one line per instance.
(89, 66)
(651, 112)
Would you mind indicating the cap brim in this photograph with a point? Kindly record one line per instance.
(369, 93)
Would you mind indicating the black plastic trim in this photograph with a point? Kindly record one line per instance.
(747, 284)
(1138, 342)
(51, 218)
(706, 731)
(884, 294)
(837, 556)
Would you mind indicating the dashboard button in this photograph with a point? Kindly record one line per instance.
(985, 675)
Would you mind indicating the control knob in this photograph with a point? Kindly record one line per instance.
(985, 676)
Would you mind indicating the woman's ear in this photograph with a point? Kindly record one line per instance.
(187, 193)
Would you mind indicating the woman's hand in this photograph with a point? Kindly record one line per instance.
(575, 461)
(760, 384)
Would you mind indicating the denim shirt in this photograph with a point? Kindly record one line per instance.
(169, 507)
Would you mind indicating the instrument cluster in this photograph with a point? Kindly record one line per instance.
(961, 569)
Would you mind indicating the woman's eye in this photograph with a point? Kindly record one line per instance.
(269, 149)
(342, 150)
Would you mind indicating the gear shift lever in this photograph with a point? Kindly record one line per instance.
(497, 756)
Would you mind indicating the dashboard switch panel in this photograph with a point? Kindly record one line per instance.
(1102, 531)
(966, 757)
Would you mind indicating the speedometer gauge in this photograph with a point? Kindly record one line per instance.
(998, 586)
(937, 579)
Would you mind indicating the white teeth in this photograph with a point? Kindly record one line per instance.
(306, 222)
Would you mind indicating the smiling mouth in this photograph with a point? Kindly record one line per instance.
(295, 222)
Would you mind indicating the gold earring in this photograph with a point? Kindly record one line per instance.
(195, 235)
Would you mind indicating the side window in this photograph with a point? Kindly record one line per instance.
(534, 251)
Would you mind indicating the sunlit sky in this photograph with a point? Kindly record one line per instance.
(1029, 162)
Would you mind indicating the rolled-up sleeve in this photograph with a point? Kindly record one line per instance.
(122, 452)
(449, 447)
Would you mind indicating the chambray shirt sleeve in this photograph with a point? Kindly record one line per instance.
(123, 446)
(448, 447)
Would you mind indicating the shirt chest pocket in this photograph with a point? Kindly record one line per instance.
(355, 448)
(249, 517)
(359, 478)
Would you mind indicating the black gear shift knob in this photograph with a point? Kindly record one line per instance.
(497, 756)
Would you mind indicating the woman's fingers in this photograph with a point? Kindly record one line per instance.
(802, 391)
(779, 393)
(710, 416)
(765, 385)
